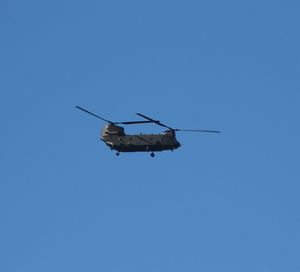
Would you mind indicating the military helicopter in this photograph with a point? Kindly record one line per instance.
(114, 136)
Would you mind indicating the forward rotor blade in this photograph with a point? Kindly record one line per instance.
(198, 130)
(94, 115)
(113, 123)
(154, 121)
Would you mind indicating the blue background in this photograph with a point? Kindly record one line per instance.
(227, 202)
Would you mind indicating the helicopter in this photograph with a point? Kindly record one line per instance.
(115, 138)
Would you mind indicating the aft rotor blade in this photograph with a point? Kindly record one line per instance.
(95, 115)
(154, 121)
(198, 130)
(133, 122)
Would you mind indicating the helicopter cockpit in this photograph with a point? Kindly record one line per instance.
(113, 130)
(168, 133)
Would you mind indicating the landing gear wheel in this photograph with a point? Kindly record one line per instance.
(152, 155)
(118, 153)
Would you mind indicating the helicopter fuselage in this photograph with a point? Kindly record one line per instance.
(114, 136)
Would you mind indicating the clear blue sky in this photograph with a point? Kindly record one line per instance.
(227, 202)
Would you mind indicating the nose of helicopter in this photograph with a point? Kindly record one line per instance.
(177, 144)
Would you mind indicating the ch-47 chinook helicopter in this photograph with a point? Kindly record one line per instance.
(114, 136)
